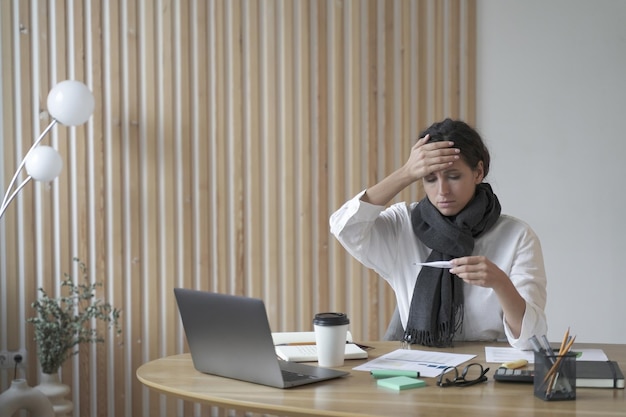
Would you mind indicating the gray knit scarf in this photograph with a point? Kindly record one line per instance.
(436, 311)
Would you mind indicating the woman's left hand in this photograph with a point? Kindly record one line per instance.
(478, 270)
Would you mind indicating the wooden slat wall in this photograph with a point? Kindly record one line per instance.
(225, 134)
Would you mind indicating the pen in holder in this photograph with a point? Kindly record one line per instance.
(555, 376)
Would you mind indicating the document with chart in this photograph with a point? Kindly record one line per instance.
(427, 363)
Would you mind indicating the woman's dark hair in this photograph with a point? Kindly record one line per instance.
(464, 137)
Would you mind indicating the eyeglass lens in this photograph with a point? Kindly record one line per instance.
(472, 374)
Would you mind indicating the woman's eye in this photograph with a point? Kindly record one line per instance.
(430, 179)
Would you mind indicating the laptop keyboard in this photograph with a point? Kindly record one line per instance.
(295, 376)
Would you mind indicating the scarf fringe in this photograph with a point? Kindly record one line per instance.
(442, 336)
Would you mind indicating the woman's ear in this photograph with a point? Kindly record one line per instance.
(479, 173)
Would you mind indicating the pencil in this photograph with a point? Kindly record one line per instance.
(564, 342)
(554, 367)
(314, 343)
(561, 352)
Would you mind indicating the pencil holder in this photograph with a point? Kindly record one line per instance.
(555, 376)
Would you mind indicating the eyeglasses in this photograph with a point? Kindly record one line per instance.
(472, 374)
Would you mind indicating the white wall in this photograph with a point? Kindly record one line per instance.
(552, 108)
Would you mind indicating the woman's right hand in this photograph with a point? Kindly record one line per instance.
(426, 158)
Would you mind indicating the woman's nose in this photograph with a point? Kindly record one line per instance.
(443, 188)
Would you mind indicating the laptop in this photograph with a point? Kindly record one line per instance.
(230, 336)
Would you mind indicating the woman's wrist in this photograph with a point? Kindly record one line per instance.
(384, 191)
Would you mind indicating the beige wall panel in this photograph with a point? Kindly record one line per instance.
(224, 136)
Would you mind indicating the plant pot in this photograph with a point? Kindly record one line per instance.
(56, 391)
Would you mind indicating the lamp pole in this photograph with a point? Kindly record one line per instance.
(8, 196)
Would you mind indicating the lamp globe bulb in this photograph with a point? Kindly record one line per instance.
(71, 103)
(44, 163)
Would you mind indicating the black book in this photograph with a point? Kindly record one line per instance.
(598, 374)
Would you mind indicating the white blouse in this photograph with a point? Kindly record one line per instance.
(383, 240)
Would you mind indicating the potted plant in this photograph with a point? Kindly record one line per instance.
(64, 323)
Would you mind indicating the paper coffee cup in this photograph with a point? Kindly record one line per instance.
(330, 338)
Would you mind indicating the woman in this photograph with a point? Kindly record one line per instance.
(496, 285)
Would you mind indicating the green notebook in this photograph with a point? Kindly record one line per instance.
(400, 383)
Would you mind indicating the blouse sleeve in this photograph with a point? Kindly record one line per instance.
(368, 232)
(529, 277)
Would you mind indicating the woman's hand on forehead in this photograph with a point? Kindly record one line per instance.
(428, 157)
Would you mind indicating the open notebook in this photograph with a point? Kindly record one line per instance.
(300, 347)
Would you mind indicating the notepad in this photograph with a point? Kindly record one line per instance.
(308, 353)
(400, 383)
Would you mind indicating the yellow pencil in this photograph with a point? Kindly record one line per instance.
(558, 361)
(565, 336)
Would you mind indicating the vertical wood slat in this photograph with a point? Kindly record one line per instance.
(225, 134)
(468, 60)
(303, 163)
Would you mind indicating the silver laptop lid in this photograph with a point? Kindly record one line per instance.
(230, 336)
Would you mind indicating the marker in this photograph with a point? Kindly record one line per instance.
(515, 364)
(535, 343)
(388, 373)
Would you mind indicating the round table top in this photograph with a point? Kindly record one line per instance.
(358, 394)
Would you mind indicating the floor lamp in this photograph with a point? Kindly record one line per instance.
(70, 103)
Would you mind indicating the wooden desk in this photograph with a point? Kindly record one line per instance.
(358, 395)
